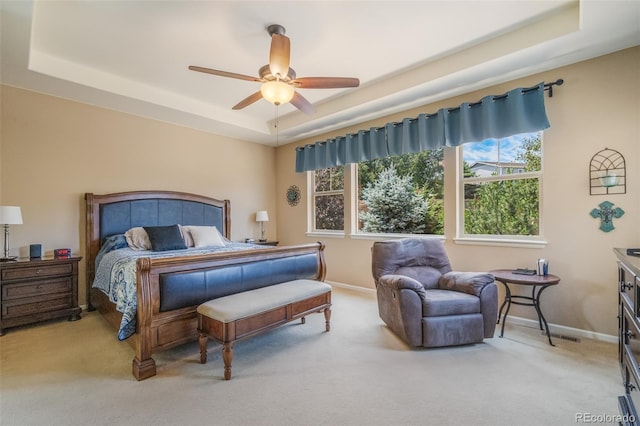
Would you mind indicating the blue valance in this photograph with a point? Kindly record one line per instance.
(518, 111)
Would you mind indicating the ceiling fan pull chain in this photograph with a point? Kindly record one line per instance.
(276, 126)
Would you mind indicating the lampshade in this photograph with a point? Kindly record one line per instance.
(277, 92)
(262, 216)
(11, 215)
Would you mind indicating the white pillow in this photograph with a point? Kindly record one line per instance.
(186, 236)
(138, 239)
(204, 236)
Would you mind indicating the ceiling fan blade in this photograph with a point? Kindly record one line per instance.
(325, 82)
(302, 104)
(248, 100)
(224, 73)
(279, 55)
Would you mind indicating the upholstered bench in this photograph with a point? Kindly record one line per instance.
(237, 316)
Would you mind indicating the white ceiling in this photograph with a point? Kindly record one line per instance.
(132, 56)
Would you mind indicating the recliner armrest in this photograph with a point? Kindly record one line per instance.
(399, 282)
(465, 282)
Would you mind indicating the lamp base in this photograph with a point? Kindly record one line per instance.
(8, 259)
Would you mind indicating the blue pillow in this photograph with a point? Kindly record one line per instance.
(112, 242)
(165, 238)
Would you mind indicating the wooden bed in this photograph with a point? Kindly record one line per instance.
(158, 330)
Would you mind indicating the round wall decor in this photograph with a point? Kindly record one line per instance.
(293, 195)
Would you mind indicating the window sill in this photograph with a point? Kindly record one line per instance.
(326, 234)
(361, 236)
(499, 242)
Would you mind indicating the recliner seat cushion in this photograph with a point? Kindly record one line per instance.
(446, 302)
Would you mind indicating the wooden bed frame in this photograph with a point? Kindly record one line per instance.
(156, 330)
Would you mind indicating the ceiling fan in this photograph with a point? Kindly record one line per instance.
(279, 80)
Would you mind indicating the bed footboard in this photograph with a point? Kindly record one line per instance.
(159, 328)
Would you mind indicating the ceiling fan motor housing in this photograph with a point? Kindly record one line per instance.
(276, 29)
(265, 74)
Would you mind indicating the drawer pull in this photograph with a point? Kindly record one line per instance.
(625, 286)
(38, 271)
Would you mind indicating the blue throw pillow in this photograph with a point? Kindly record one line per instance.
(112, 242)
(165, 238)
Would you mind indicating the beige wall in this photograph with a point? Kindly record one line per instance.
(54, 150)
(597, 107)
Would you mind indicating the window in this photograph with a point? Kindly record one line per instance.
(402, 194)
(499, 192)
(328, 199)
(500, 187)
(395, 195)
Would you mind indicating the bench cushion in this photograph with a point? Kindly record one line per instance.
(240, 305)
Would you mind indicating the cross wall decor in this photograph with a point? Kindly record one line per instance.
(606, 214)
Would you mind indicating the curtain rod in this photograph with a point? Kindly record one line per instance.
(547, 87)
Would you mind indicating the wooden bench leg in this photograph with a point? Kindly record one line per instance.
(227, 356)
(327, 319)
(203, 339)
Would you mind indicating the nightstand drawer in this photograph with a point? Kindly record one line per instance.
(36, 288)
(37, 271)
(38, 305)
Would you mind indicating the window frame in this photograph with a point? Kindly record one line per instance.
(493, 239)
(454, 221)
(313, 194)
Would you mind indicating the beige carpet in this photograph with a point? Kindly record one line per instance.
(77, 373)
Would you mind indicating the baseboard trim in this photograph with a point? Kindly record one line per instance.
(355, 288)
(558, 330)
(561, 330)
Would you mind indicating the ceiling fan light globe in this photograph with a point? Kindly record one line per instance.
(277, 92)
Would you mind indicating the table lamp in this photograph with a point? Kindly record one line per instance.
(9, 215)
(262, 216)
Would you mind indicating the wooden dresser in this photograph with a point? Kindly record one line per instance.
(629, 334)
(38, 290)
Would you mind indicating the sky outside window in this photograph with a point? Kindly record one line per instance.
(504, 150)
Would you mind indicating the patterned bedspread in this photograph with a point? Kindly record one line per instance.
(116, 277)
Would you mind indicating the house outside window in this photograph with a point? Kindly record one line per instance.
(328, 199)
(492, 168)
(500, 188)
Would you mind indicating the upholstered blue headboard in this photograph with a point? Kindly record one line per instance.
(111, 214)
(117, 218)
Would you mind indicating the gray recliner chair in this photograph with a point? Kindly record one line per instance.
(427, 304)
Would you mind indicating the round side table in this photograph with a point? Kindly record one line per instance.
(538, 284)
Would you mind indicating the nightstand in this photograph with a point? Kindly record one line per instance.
(38, 290)
(266, 243)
